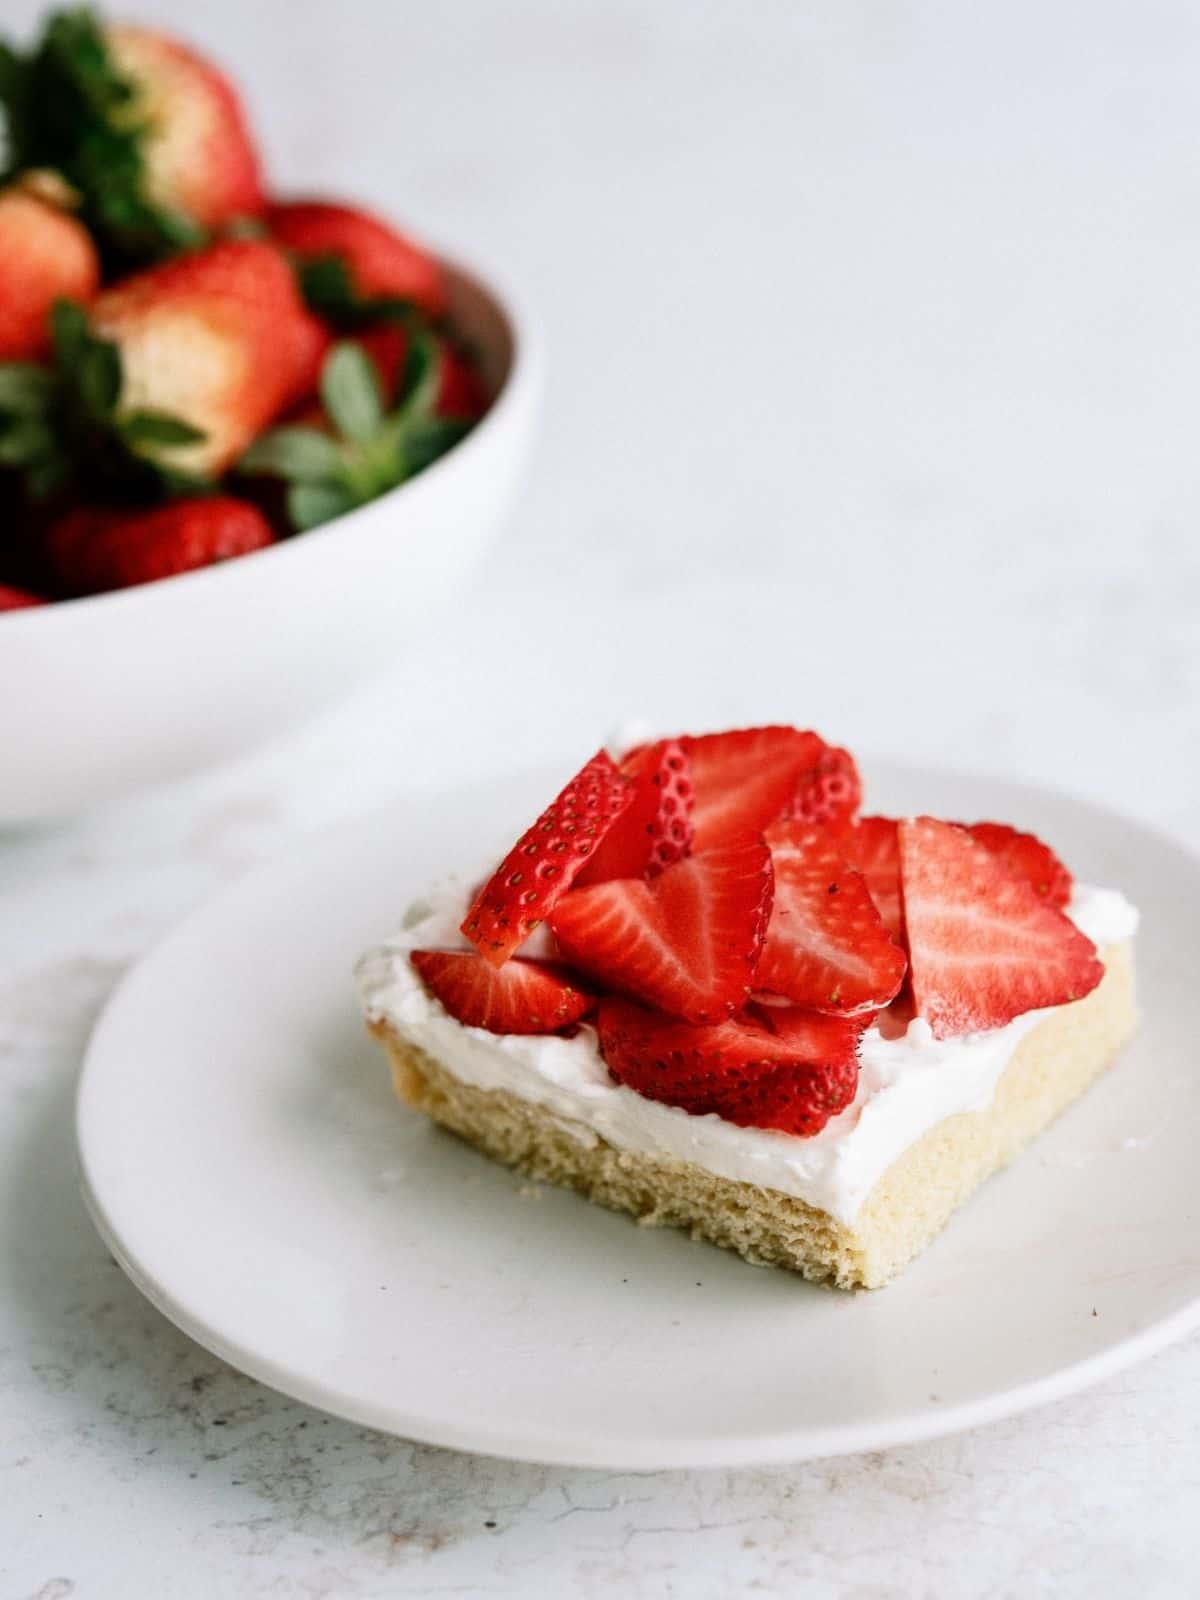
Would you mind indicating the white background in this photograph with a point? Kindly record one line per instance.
(875, 391)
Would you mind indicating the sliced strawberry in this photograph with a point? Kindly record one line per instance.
(983, 946)
(773, 1067)
(826, 946)
(545, 860)
(745, 780)
(871, 848)
(830, 791)
(655, 829)
(686, 942)
(520, 997)
(1026, 857)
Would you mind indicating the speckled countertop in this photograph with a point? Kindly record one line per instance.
(887, 320)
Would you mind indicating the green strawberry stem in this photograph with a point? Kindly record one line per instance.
(62, 426)
(368, 450)
(69, 108)
(330, 294)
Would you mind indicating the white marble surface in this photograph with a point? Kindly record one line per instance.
(876, 370)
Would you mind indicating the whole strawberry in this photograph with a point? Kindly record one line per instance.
(97, 548)
(168, 376)
(214, 338)
(352, 261)
(150, 135)
(14, 599)
(200, 161)
(45, 255)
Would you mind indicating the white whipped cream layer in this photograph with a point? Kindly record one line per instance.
(907, 1084)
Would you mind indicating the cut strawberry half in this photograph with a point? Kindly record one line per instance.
(520, 997)
(1026, 857)
(745, 780)
(870, 846)
(983, 946)
(655, 829)
(545, 860)
(773, 1067)
(826, 945)
(830, 791)
(687, 942)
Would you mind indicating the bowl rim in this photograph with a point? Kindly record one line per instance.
(524, 364)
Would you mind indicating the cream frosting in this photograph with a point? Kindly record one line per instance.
(907, 1084)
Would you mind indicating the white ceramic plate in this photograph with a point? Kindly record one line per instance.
(244, 1158)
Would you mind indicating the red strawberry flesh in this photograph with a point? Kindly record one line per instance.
(1027, 857)
(870, 846)
(773, 1067)
(655, 829)
(984, 947)
(826, 945)
(541, 866)
(746, 779)
(686, 942)
(520, 997)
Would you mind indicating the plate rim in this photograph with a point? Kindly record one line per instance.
(543, 1445)
(545, 1448)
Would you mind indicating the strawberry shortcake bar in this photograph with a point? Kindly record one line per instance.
(705, 989)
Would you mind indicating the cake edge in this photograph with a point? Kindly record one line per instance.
(909, 1205)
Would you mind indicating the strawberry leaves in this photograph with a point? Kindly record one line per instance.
(63, 426)
(351, 393)
(368, 450)
(329, 292)
(69, 108)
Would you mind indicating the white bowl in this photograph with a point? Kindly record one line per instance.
(117, 691)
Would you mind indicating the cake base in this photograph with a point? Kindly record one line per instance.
(909, 1205)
